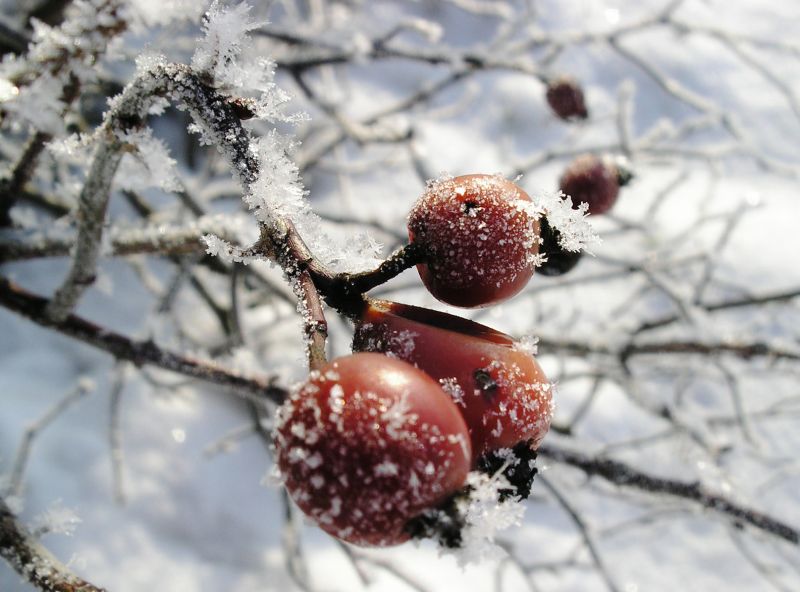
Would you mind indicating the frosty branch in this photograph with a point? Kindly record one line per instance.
(140, 353)
(34, 562)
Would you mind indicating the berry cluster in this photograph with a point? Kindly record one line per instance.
(377, 446)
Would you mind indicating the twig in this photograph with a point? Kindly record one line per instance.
(314, 323)
(115, 433)
(154, 239)
(587, 536)
(140, 353)
(34, 562)
(83, 388)
(624, 475)
(20, 173)
(92, 205)
(780, 296)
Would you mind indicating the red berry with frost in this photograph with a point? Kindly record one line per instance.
(565, 97)
(495, 382)
(366, 444)
(593, 180)
(480, 237)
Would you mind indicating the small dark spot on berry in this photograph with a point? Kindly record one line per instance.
(486, 384)
(469, 206)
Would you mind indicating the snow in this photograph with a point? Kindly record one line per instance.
(197, 521)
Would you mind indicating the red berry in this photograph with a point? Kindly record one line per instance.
(366, 444)
(565, 97)
(592, 180)
(497, 384)
(480, 236)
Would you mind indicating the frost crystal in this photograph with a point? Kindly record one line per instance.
(149, 165)
(56, 519)
(576, 231)
(485, 516)
(225, 36)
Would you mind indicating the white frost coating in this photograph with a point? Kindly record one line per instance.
(397, 417)
(57, 57)
(314, 461)
(576, 231)
(528, 344)
(452, 388)
(386, 468)
(225, 55)
(7, 90)
(219, 247)
(56, 519)
(226, 32)
(485, 516)
(39, 104)
(149, 165)
(278, 191)
(336, 399)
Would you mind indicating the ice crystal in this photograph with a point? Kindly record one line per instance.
(149, 164)
(56, 519)
(485, 516)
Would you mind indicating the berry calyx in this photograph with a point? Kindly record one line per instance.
(480, 235)
(558, 260)
(565, 97)
(496, 383)
(366, 444)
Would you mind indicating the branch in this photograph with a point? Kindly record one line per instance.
(140, 353)
(152, 239)
(20, 173)
(92, 205)
(781, 296)
(208, 107)
(624, 475)
(32, 561)
(316, 327)
(746, 350)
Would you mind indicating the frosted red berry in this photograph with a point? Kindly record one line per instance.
(565, 97)
(593, 180)
(366, 444)
(496, 383)
(480, 237)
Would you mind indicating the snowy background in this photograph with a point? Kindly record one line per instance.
(147, 480)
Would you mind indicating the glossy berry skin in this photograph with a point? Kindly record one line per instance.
(565, 97)
(496, 383)
(367, 443)
(592, 180)
(480, 237)
(559, 261)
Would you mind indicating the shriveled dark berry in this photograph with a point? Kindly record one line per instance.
(559, 261)
(565, 97)
(443, 524)
(593, 180)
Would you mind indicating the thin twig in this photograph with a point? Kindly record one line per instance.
(140, 353)
(624, 475)
(83, 388)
